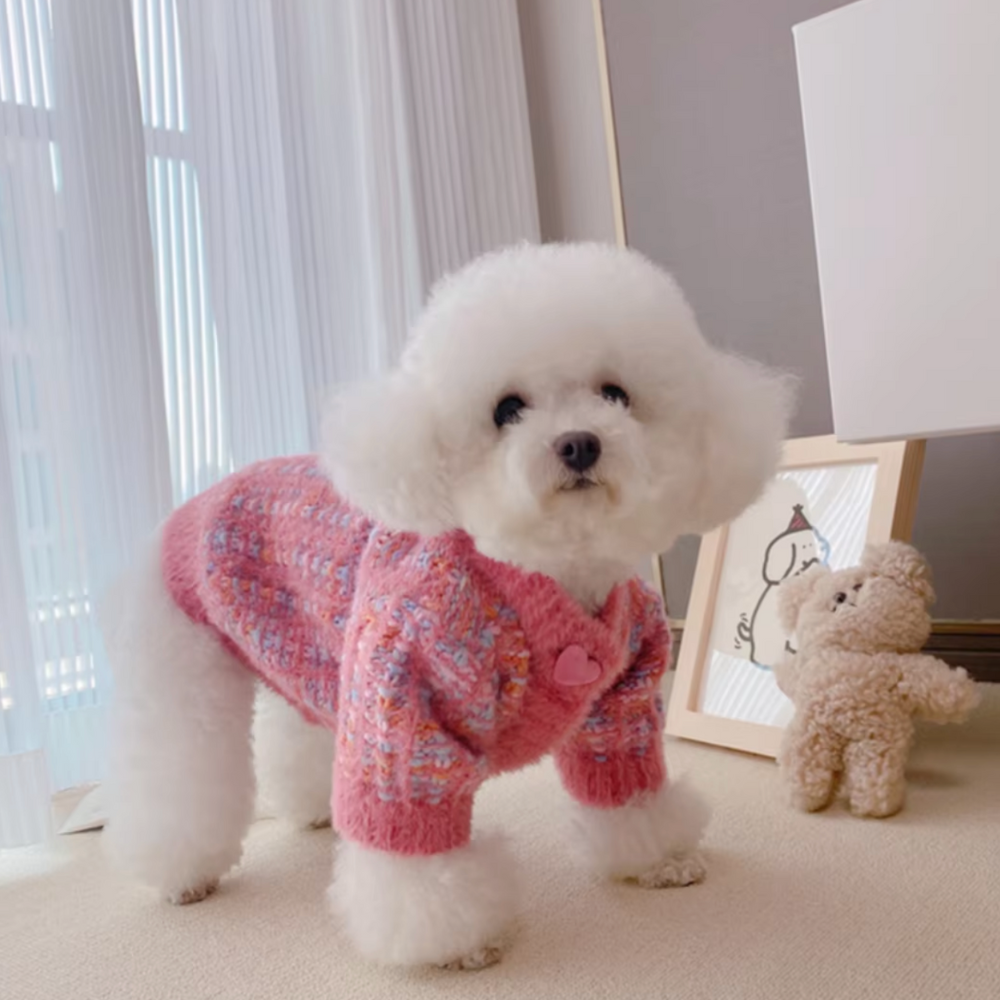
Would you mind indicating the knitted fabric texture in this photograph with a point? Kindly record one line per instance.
(435, 666)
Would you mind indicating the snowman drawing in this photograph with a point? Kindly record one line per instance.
(788, 554)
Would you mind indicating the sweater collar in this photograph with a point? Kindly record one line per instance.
(550, 616)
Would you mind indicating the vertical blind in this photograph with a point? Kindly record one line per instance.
(210, 212)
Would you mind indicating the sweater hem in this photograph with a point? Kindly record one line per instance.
(402, 827)
(613, 782)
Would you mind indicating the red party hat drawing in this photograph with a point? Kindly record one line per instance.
(799, 521)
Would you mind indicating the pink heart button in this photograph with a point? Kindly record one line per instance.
(574, 667)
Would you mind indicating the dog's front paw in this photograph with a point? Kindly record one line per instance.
(450, 910)
(192, 893)
(683, 869)
(481, 958)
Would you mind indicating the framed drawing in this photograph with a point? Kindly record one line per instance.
(827, 501)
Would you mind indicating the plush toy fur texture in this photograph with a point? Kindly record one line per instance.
(859, 679)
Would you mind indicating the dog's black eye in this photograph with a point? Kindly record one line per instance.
(615, 394)
(839, 598)
(508, 410)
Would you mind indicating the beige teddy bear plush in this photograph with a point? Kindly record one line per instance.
(858, 679)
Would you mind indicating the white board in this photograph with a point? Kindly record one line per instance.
(901, 108)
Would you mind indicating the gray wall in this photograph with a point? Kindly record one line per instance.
(568, 139)
(715, 187)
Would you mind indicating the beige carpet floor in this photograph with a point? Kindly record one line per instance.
(797, 907)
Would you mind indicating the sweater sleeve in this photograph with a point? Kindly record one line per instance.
(617, 753)
(403, 782)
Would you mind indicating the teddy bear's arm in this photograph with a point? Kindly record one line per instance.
(935, 691)
(786, 674)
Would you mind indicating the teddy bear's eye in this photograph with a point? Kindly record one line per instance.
(615, 394)
(839, 598)
(508, 410)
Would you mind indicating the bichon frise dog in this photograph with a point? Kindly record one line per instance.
(445, 594)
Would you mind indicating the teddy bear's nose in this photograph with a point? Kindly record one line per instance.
(578, 450)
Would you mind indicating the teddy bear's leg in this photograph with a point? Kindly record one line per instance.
(876, 777)
(180, 782)
(811, 761)
(293, 761)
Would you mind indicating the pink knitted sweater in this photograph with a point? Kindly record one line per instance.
(435, 665)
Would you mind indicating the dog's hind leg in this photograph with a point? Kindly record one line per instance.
(180, 778)
(294, 762)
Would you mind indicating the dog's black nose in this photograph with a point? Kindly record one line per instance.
(578, 450)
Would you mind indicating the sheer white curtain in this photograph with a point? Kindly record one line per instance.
(210, 211)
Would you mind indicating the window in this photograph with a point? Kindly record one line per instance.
(247, 204)
(191, 371)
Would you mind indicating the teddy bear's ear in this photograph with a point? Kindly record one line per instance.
(902, 564)
(382, 452)
(794, 592)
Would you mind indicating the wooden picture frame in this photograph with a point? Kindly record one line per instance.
(723, 692)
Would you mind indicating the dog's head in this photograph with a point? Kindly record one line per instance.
(559, 398)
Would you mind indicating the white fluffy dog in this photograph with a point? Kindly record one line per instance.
(452, 595)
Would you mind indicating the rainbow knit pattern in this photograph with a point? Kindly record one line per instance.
(434, 665)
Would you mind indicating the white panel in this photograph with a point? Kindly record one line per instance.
(901, 105)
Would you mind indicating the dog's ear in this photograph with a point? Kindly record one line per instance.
(745, 419)
(794, 592)
(382, 452)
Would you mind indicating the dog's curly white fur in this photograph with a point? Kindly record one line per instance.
(654, 841)
(585, 339)
(442, 909)
(180, 787)
(293, 761)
